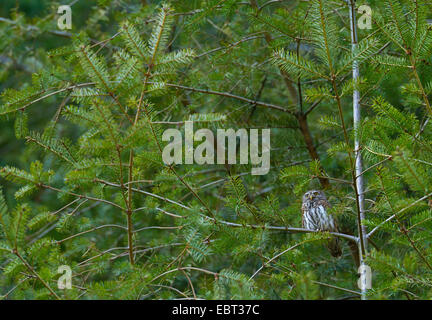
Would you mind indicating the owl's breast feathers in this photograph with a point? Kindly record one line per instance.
(315, 216)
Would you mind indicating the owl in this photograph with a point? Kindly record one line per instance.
(315, 217)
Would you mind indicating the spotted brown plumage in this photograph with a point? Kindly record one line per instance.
(315, 217)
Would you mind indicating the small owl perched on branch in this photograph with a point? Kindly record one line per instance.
(315, 217)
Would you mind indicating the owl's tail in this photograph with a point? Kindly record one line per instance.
(334, 247)
(354, 252)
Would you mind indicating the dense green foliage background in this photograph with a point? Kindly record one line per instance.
(83, 112)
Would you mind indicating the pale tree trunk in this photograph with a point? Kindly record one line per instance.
(358, 157)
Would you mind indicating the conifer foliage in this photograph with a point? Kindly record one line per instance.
(84, 184)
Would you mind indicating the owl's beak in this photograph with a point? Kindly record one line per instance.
(310, 197)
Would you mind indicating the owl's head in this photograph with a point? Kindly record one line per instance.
(313, 195)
